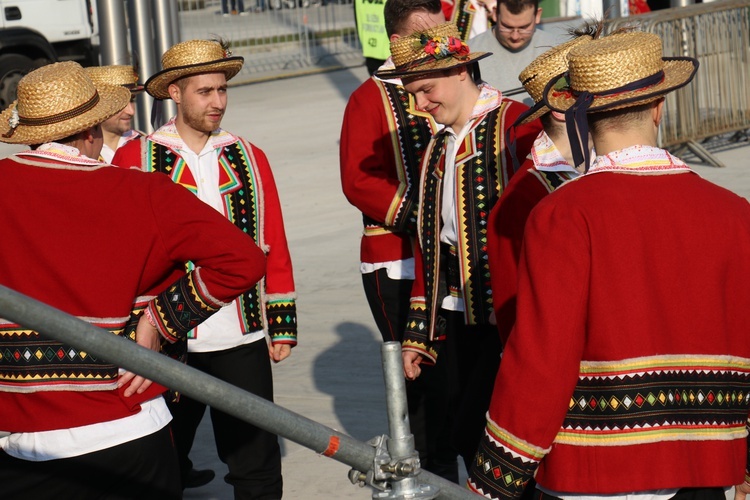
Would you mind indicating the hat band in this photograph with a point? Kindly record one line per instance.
(426, 60)
(575, 116)
(49, 120)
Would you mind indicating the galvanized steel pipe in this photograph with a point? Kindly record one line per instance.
(113, 32)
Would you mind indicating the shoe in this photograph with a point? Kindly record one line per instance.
(244, 13)
(234, 12)
(198, 478)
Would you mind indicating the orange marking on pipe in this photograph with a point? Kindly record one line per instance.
(333, 446)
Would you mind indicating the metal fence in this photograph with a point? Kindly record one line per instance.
(718, 99)
(278, 37)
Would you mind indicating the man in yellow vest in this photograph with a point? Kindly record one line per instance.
(376, 48)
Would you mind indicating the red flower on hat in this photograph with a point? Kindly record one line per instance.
(442, 47)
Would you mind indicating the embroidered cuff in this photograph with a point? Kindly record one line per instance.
(180, 308)
(498, 473)
(281, 317)
(406, 218)
(416, 336)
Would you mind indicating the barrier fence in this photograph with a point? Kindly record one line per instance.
(717, 101)
(278, 37)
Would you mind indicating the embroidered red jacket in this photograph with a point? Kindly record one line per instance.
(628, 368)
(91, 240)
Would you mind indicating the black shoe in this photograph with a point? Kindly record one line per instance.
(198, 478)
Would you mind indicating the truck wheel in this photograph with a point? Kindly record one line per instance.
(12, 68)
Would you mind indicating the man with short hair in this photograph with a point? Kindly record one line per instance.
(465, 168)
(514, 42)
(117, 130)
(627, 371)
(234, 177)
(383, 137)
(108, 246)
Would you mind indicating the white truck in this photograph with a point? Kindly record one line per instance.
(38, 32)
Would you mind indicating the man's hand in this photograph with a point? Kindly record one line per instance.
(411, 361)
(279, 352)
(146, 335)
(741, 491)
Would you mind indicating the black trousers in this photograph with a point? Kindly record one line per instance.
(252, 454)
(471, 358)
(145, 468)
(429, 415)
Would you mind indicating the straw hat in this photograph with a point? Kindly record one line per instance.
(619, 71)
(536, 75)
(191, 58)
(435, 49)
(57, 101)
(118, 74)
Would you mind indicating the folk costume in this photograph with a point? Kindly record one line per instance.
(383, 138)
(463, 173)
(544, 170)
(234, 177)
(61, 406)
(637, 357)
(469, 16)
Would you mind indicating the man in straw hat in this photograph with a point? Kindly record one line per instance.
(118, 129)
(628, 367)
(547, 166)
(109, 246)
(464, 170)
(234, 177)
(383, 138)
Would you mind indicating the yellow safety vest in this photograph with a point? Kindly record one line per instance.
(371, 28)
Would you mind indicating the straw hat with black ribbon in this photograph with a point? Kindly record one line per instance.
(614, 72)
(432, 50)
(117, 74)
(534, 79)
(192, 58)
(57, 101)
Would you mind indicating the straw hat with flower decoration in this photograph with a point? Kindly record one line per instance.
(424, 52)
(125, 76)
(192, 58)
(618, 71)
(57, 101)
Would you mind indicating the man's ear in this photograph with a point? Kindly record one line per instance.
(538, 16)
(560, 117)
(657, 112)
(174, 92)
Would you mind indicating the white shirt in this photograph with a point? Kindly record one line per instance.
(223, 330)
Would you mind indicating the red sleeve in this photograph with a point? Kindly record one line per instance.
(448, 6)
(366, 154)
(129, 155)
(504, 238)
(279, 282)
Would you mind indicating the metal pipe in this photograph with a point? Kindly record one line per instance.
(220, 395)
(611, 9)
(113, 33)
(163, 40)
(174, 19)
(401, 442)
(680, 3)
(141, 39)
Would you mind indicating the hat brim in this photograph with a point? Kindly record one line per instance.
(112, 100)
(678, 72)
(531, 114)
(432, 66)
(158, 85)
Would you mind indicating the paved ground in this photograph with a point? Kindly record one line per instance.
(334, 375)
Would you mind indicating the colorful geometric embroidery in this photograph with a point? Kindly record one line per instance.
(180, 308)
(282, 320)
(498, 472)
(463, 17)
(411, 131)
(658, 398)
